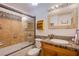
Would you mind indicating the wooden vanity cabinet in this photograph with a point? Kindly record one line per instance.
(51, 50)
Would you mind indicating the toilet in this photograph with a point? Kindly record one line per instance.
(35, 51)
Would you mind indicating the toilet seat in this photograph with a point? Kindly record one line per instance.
(34, 51)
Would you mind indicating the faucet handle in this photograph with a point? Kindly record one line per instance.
(50, 36)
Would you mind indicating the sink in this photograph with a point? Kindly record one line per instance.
(59, 41)
(38, 39)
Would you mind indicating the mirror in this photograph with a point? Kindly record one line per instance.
(58, 19)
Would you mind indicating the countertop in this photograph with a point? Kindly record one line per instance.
(71, 45)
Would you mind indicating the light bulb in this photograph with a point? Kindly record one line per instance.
(57, 6)
(34, 4)
(53, 7)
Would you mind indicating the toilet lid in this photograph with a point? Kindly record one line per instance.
(33, 51)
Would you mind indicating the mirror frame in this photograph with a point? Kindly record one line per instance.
(74, 21)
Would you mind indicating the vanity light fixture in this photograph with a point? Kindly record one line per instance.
(55, 7)
(59, 6)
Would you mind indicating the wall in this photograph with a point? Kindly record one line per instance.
(11, 34)
(41, 11)
(78, 16)
(78, 22)
(64, 32)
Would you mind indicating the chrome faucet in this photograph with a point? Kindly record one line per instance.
(76, 38)
(50, 36)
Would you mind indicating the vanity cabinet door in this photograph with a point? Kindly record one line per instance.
(48, 50)
(52, 50)
(66, 52)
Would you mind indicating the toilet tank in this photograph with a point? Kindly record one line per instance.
(38, 42)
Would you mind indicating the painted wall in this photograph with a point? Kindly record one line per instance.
(78, 22)
(78, 16)
(41, 12)
(64, 32)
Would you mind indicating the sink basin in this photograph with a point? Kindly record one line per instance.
(59, 41)
(38, 39)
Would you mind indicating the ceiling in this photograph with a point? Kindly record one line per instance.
(30, 9)
(40, 11)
